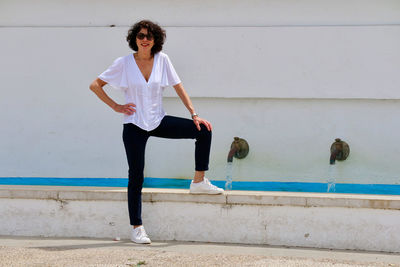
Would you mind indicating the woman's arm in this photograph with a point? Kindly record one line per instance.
(97, 87)
(188, 104)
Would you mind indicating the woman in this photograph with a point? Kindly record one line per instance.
(143, 77)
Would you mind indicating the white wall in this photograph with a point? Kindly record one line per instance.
(271, 225)
(199, 13)
(289, 77)
(336, 221)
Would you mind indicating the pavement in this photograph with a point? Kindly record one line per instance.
(42, 251)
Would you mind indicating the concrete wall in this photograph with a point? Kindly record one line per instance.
(287, 76)
(338, 221)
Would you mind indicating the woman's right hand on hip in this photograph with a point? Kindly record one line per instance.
(127, 109)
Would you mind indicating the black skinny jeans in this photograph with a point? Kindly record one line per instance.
(135, 140)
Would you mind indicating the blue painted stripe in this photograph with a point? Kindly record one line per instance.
(103, 182)
(385, 189)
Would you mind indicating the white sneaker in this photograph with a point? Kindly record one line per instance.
(138, 235)
(205, 187)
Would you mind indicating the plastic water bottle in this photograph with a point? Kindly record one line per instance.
(228, 183)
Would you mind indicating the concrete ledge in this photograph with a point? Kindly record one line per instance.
(338, 221)
(182, 195)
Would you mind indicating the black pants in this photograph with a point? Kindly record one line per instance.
(135, 140)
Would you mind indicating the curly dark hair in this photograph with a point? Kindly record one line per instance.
(153, 28)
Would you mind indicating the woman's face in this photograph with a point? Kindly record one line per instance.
(144, 40)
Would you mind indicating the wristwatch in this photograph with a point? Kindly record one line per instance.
(194, 115)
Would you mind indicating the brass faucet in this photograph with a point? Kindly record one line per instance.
(239, 149)
(340, 150)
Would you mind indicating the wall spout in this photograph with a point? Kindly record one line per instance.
(231, 153)
(340, 150)
(334, 154)
(239, 149)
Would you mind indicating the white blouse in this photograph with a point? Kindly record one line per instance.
(124, 74)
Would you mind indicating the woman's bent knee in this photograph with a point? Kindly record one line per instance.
(204, 132)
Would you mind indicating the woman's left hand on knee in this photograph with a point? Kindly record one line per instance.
(198, 121)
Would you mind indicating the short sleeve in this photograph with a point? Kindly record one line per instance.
(115, 75)
(169, 77)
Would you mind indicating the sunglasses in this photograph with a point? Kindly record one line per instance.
(141, 36)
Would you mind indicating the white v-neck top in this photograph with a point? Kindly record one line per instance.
(124, 74)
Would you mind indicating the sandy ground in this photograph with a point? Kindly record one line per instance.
(25, 251)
